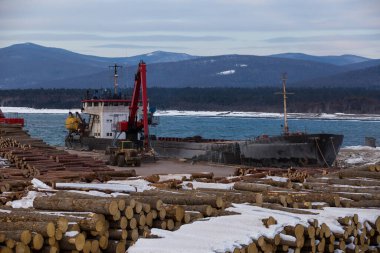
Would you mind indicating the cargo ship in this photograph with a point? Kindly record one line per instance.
(111, 118)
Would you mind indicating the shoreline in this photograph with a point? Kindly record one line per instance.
(217, 114)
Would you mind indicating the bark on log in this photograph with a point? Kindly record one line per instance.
(72, 241)
(45, 228)
(103, 206)
(24, 236)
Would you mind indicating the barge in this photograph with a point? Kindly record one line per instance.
(111, 118)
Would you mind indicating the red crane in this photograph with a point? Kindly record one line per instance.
(133, 126)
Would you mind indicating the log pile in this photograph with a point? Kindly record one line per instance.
(86, 223)
(353, 236)
(32, 158)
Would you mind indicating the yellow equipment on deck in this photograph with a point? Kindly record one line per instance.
(72, 123)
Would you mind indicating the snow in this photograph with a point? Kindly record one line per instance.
(5, 211)
(336, 116)
(27, 201)
(278, 179)
(364, 148)
(195, 185)
(322, 116)
(227, 72)
(140, 185)
(33, 110)
(355, 160)
(106, 187)
(224, 233)
(39, 184)
(174, 176)
(71, 233)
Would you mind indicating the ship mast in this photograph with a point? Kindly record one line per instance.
(284, 93)
(286, 127)
(115, 77)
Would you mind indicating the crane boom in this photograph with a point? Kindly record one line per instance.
(133, 126)
(140, 84)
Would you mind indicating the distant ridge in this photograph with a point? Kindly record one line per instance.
(335, 60)
(30, 65)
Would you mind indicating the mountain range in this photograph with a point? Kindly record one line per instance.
(29, 65)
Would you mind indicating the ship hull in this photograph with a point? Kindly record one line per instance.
(279, 151)
(292, 150)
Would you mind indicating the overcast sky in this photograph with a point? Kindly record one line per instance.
(197, 27)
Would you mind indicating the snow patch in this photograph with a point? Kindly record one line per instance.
(336, 116)
(227, 72)
(33, 110)
(355, 160)
(27, 201)
(71, 233)
(179, 177)
(105, 187)
(278, 179)
(140, 185)
(39, 184)
(196, 185)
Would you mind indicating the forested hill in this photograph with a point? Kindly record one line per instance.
(314, 100)
(32, 66)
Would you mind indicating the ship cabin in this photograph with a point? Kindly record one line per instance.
(104, 115)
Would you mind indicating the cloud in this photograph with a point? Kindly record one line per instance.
(362, 37)
(94, 37)
(203, 27)
(129, 46)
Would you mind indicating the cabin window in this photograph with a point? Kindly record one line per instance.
(95, 103)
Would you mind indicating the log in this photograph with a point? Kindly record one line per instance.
(37, 241)
(133, 234)
(216, 202)
(24, 236)
(72, 241)
(44, 228)
(22, 215)
(365, 174)
(115, 247)
(206, 210)
(102, 206)
(153, 202)
(175, 212)
(252, 187)
(118, 234)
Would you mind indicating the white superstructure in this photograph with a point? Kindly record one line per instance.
(104, 115)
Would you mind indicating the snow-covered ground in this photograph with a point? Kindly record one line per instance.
(335, 116)
(33, 110)
(358, 155)
(324, 116)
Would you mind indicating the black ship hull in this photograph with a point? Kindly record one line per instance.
(279, 151)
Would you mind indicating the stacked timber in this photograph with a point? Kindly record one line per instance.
(352, 236)
(32, 158)
(86, 223)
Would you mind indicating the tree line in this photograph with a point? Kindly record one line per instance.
(314, 100)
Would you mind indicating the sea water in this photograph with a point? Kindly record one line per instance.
(51, 126)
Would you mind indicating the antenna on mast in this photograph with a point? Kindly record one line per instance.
(284, 93)
(115, 77)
